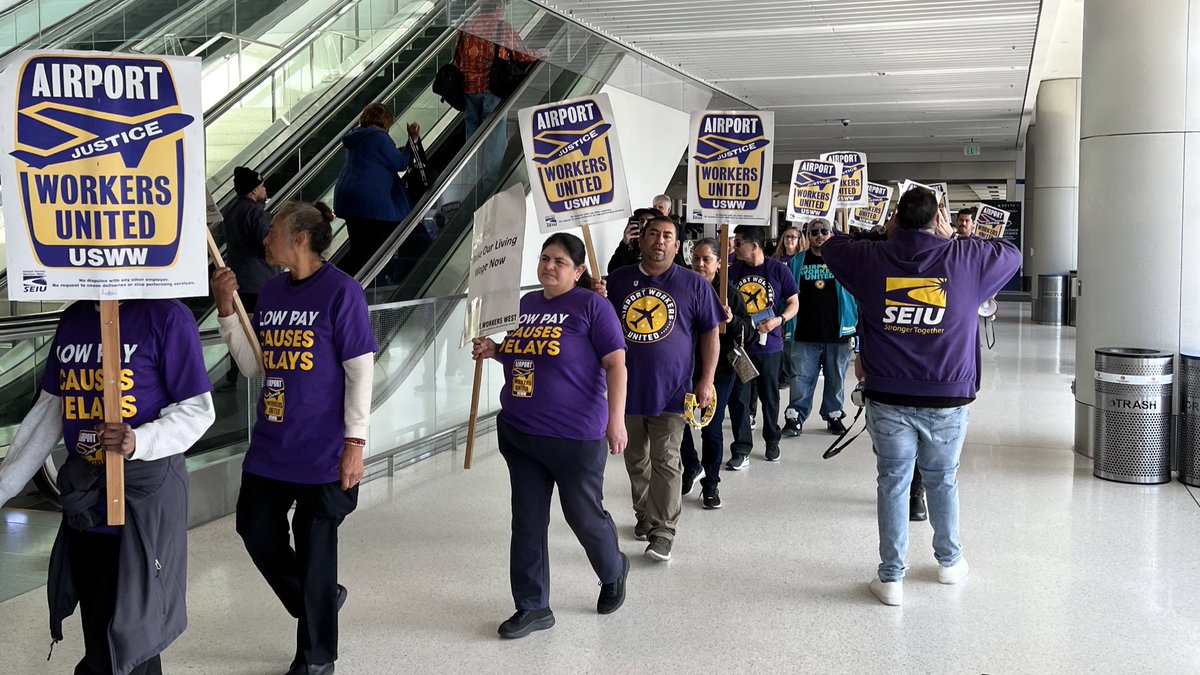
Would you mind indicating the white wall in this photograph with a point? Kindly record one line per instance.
(653, 137)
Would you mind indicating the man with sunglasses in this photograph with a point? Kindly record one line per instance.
(826, 321)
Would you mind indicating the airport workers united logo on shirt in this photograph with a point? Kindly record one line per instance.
(648, 314)
(729, 160)
(915, 305)
(88, 447)
(100, 162)
(573, 155)
(757, 293)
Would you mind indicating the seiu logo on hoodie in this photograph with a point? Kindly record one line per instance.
(915, 305)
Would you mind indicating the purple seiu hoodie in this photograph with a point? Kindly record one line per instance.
(918, 298)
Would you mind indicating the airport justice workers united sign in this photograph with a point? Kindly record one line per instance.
(730, 156)
(574, 163)
(102, 167)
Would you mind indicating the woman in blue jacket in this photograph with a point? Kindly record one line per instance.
(369, 194)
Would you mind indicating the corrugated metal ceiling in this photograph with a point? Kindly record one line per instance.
(910, 75)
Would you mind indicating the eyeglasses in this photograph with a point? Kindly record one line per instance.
(791, 236)
(822, 231)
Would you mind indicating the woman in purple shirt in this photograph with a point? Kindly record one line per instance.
(555, 425)
(311, 427)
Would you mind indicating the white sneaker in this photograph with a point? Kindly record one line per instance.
(954, 573)
(889, 592)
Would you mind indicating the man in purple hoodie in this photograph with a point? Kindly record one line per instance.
(918, 294)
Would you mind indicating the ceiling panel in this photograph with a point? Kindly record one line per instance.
(908, 74)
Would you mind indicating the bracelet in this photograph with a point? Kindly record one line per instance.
(356, 442)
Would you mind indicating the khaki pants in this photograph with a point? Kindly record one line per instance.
(655, 472)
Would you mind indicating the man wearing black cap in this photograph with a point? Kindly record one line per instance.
(246, 225)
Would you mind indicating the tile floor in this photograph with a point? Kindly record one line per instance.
(1068, 573)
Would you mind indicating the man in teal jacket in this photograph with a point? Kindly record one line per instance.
(820, 335)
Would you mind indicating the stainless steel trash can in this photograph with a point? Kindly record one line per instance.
(1133, 415)
(1072, 297)
(1189, 419)
(1051, 305)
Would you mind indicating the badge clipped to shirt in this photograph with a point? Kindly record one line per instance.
(696, 416)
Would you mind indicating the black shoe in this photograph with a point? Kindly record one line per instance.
(836, 427)
(659, 549)
(738, 463)
(916, 508)
(311, 669)
(612, 596)
(525, 621)
(642, 530)
(772, 453)
(689, 479)
(712, 498)
(341, 596)
(792, 428)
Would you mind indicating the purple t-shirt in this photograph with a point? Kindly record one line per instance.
(161, 364)
(662, 318)
(763, 287)
(306, 331)
(554, 383)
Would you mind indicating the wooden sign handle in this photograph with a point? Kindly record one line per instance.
(215, 253)
(590, 249)
(723, 274)
(110, 365)
(474, 419)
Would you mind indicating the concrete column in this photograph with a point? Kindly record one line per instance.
(1139, 189)
(1028, 222)
(1053, 243)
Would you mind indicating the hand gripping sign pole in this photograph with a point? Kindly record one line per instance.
(215, 253)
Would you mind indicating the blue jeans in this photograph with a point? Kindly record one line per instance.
(711, 441)
(808, 360)
(479, 108)
(932, 439)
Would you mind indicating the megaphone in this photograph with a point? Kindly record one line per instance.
(989, 308)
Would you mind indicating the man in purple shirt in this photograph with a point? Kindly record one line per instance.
(919, 293)
(668, 313)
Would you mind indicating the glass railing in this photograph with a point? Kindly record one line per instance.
(24, 21)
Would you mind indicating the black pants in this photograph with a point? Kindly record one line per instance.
(535, 465)
(711, 442)
(366, 237)
(917, 489)
(766, 385)
(93, 558)
(304, 578)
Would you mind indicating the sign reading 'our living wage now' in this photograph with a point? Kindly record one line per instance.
(574, 163)
(730, 155)
(102, 166)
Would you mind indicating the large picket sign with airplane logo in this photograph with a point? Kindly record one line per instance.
(102, 167)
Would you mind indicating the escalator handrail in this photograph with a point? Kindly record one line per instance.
(81, 21)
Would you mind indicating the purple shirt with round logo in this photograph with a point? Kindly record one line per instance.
(554, 384)
(764, 287)
(662, 318)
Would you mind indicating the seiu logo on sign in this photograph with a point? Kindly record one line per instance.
(99, 146)
(34, 282)
(915, 305)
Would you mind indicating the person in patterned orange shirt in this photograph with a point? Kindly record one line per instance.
(477, 43)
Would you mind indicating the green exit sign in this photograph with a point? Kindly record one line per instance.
(970, 150)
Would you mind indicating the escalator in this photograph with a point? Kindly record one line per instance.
(466, 180)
